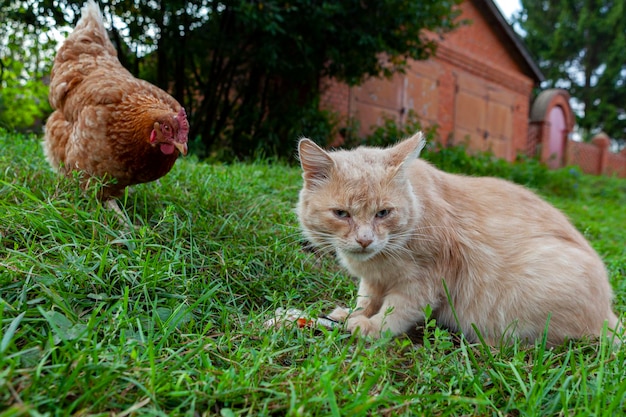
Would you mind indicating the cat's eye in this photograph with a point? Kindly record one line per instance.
(383, 213)
(342, 214)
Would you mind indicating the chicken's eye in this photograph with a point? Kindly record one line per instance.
(342, 214)
(167, 128)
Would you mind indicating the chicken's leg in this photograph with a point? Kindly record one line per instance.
(112, 205)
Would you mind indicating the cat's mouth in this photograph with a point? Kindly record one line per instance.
(361, 254)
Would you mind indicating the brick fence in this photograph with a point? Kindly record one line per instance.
(595, 157)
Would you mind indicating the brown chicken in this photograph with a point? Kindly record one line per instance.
(107, 123)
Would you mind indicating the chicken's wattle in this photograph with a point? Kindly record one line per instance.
(167, 148)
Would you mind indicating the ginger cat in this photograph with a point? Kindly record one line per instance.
(509, 260)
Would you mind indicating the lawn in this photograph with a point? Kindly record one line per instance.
(166, 317)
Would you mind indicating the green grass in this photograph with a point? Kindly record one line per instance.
(166, 318)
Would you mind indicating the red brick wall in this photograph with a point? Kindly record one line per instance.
(447, 91)
(335, 96)
(616, 165)
(479, 39)
(431, 88)
(584, 155)
(595, 158)
(475, 51)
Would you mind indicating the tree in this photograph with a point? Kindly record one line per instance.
(248, 71)
(579, 45)
(24, 66)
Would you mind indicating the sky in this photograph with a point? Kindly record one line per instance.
(508, 7)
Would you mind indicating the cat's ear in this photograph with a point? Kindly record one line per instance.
(316, 163)
(407, 150)
(404, 153)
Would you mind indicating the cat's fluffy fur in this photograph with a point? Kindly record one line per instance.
(509, 260)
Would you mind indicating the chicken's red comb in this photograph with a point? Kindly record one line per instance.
(183, 126)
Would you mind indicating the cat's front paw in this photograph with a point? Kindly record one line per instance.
(364, 326)
(339, 314)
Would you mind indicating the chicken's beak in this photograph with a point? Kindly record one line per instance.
(182, 147)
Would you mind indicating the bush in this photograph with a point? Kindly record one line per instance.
(389, 133)
(526, 171)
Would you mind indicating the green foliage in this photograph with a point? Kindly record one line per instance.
(23, 103)
(390, 132)
(579, 46)
(282, 49)
(165, 317)
(248, 72)
(24, 65)
(525, 171)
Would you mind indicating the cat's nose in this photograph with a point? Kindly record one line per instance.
(364, 241)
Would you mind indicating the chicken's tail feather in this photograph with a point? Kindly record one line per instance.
(90, 28)
(89, 38)
(90, 10)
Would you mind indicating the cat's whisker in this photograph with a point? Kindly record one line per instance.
(323, 251)
(405, 240)
(393, 255)
(398, 252)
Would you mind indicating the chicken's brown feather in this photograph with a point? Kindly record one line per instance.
(104, 116)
